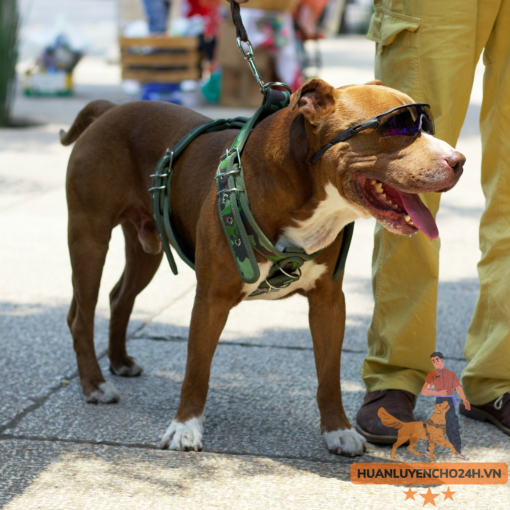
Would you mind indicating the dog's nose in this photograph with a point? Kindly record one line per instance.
(456, 160)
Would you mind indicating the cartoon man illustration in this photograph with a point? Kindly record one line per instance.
(444, 382)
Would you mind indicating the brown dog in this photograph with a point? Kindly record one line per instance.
(432, 430)
(294, 202)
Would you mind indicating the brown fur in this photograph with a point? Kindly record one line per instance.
(433, 431)
(107, 183)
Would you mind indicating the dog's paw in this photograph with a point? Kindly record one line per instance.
(105, 394)
(345, 442)
(125, 371)
(185, 436)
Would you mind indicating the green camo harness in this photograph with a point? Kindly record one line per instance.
(242, 232)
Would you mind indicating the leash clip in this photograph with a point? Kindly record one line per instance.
(250, 56)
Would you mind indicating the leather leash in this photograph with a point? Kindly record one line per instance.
(235, 9)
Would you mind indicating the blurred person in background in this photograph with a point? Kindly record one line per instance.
(157, 12)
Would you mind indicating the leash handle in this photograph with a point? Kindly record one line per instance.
(235, 9)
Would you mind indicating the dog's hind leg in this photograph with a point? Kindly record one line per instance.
(412, 443)
(88, 245)
(327, 324)
(444, 442)
(138, 272)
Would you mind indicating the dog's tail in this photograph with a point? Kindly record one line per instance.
(388, 420)
(84, 119)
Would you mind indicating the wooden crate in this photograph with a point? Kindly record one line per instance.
(238, 85)
(271, 5)
(170, 59)
(239, 88)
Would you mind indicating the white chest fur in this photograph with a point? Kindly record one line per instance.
(313, 234)
(323, 227)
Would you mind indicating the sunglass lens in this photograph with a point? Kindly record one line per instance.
(427, 120)
(406, 122)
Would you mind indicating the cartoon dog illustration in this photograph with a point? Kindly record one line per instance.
(431, 430)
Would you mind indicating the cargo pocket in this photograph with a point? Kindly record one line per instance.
(389, 27)
(396, 38)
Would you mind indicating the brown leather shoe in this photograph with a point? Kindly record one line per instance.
(398, 403)
(497, 412)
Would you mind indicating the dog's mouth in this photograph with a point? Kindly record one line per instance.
(398, 211)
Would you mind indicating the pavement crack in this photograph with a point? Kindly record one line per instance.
(176, 338)
(180, 339)
(38, 402)
(141, 446)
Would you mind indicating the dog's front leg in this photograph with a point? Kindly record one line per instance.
(208, 319)
(327, 324)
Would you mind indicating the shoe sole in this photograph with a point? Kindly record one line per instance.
(371, 438)
(478, 414)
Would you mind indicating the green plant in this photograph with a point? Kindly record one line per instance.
(9, 29)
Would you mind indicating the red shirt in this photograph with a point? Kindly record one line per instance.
(443, 380)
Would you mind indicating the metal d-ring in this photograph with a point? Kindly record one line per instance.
(271, 287)
(272, 84)
(290, 275)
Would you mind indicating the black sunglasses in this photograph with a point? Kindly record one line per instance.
(405, 120)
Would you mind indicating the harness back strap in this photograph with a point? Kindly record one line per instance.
(161, 207)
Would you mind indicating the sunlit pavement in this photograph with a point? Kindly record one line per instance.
(262, 444)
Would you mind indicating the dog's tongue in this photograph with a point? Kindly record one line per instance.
(421, 216)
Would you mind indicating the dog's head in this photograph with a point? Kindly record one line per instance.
(377, 176)
(441, 408)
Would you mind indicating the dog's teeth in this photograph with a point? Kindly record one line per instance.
(407, 218)
(383, 195)
(389, 201)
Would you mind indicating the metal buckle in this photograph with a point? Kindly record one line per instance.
(227, 173)
(230, 189)
(229, 152)
(168, 153)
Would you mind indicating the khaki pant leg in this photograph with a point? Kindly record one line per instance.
(433, 63)
(487, 374)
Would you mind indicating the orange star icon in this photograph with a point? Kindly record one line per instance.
(448, 494)
(429, 497)
(410, 494)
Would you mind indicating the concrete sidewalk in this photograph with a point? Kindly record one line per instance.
(262, 445)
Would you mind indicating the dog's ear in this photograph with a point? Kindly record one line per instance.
(374, 82)
(315, 100)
